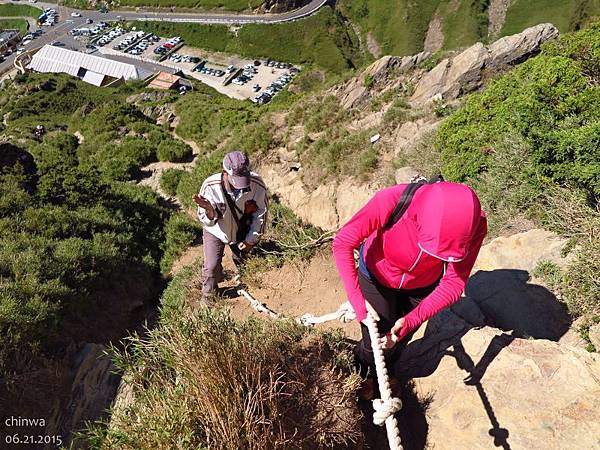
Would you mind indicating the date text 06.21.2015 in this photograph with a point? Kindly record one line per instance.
(31, 439)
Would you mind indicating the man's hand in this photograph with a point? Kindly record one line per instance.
(245, 247)
(395, 331)
(205, 204)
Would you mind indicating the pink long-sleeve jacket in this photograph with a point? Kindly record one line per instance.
(440, 232)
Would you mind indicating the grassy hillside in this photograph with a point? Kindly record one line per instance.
(12, 10)
(464, 24)
(323, 39)
(566, 15)
(14, 24)
(399, 26)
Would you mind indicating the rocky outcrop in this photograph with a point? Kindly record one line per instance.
(411, 133)
(94, 385)
(522, 251)
(328, 207)
(518, 47)
(488, 389)
(356, 92)
(493, 368)
(461, 74)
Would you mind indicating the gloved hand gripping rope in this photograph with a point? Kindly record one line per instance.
(386, 406)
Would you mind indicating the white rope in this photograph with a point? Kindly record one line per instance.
(386, 406)
(345, 313)
(260, 307)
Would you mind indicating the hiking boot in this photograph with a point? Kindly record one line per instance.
(207, 301)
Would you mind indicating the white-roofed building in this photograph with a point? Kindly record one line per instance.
(89, 68)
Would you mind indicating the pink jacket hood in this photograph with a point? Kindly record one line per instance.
(440, 231)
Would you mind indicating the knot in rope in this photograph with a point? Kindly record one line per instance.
(384, 409)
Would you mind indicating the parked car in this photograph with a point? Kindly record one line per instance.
(75, 14)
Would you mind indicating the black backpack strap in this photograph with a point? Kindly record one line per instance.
(405, 200)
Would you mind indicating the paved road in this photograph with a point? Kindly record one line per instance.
(222, 18)
(60, 31)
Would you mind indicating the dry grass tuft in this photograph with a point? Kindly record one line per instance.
(209, 381)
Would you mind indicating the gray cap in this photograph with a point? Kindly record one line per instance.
(236, 164)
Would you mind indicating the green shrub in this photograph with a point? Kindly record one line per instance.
(550, 103)
(181, 230)
(169, 180)
(173, 151)
(73, 229)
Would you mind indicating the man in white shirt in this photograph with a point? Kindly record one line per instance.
(232, 206)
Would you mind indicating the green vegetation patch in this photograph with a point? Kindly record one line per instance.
(566, 15)
(12, 10)
(74, 228)
(14, 24)
(465, 23)
(399, 26)
(322, 39)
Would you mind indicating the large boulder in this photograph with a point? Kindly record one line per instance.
(356, 91)
(501, 289)
(486, 388)
(518, 47)
(461, 74)
(491, 369)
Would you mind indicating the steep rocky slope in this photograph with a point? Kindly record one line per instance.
(504, 367)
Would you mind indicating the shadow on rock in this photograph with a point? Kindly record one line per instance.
(500, 298)
(509, 302)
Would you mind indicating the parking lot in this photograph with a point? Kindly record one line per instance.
(235, 77)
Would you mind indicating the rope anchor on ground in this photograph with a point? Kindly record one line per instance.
(386, 406)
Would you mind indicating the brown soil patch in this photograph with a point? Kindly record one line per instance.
(434, 40)
(297, 288)
(497, 15)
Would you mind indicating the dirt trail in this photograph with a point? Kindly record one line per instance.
(292, 290)
(298, 288)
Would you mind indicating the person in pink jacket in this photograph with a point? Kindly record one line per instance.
(412, 270)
